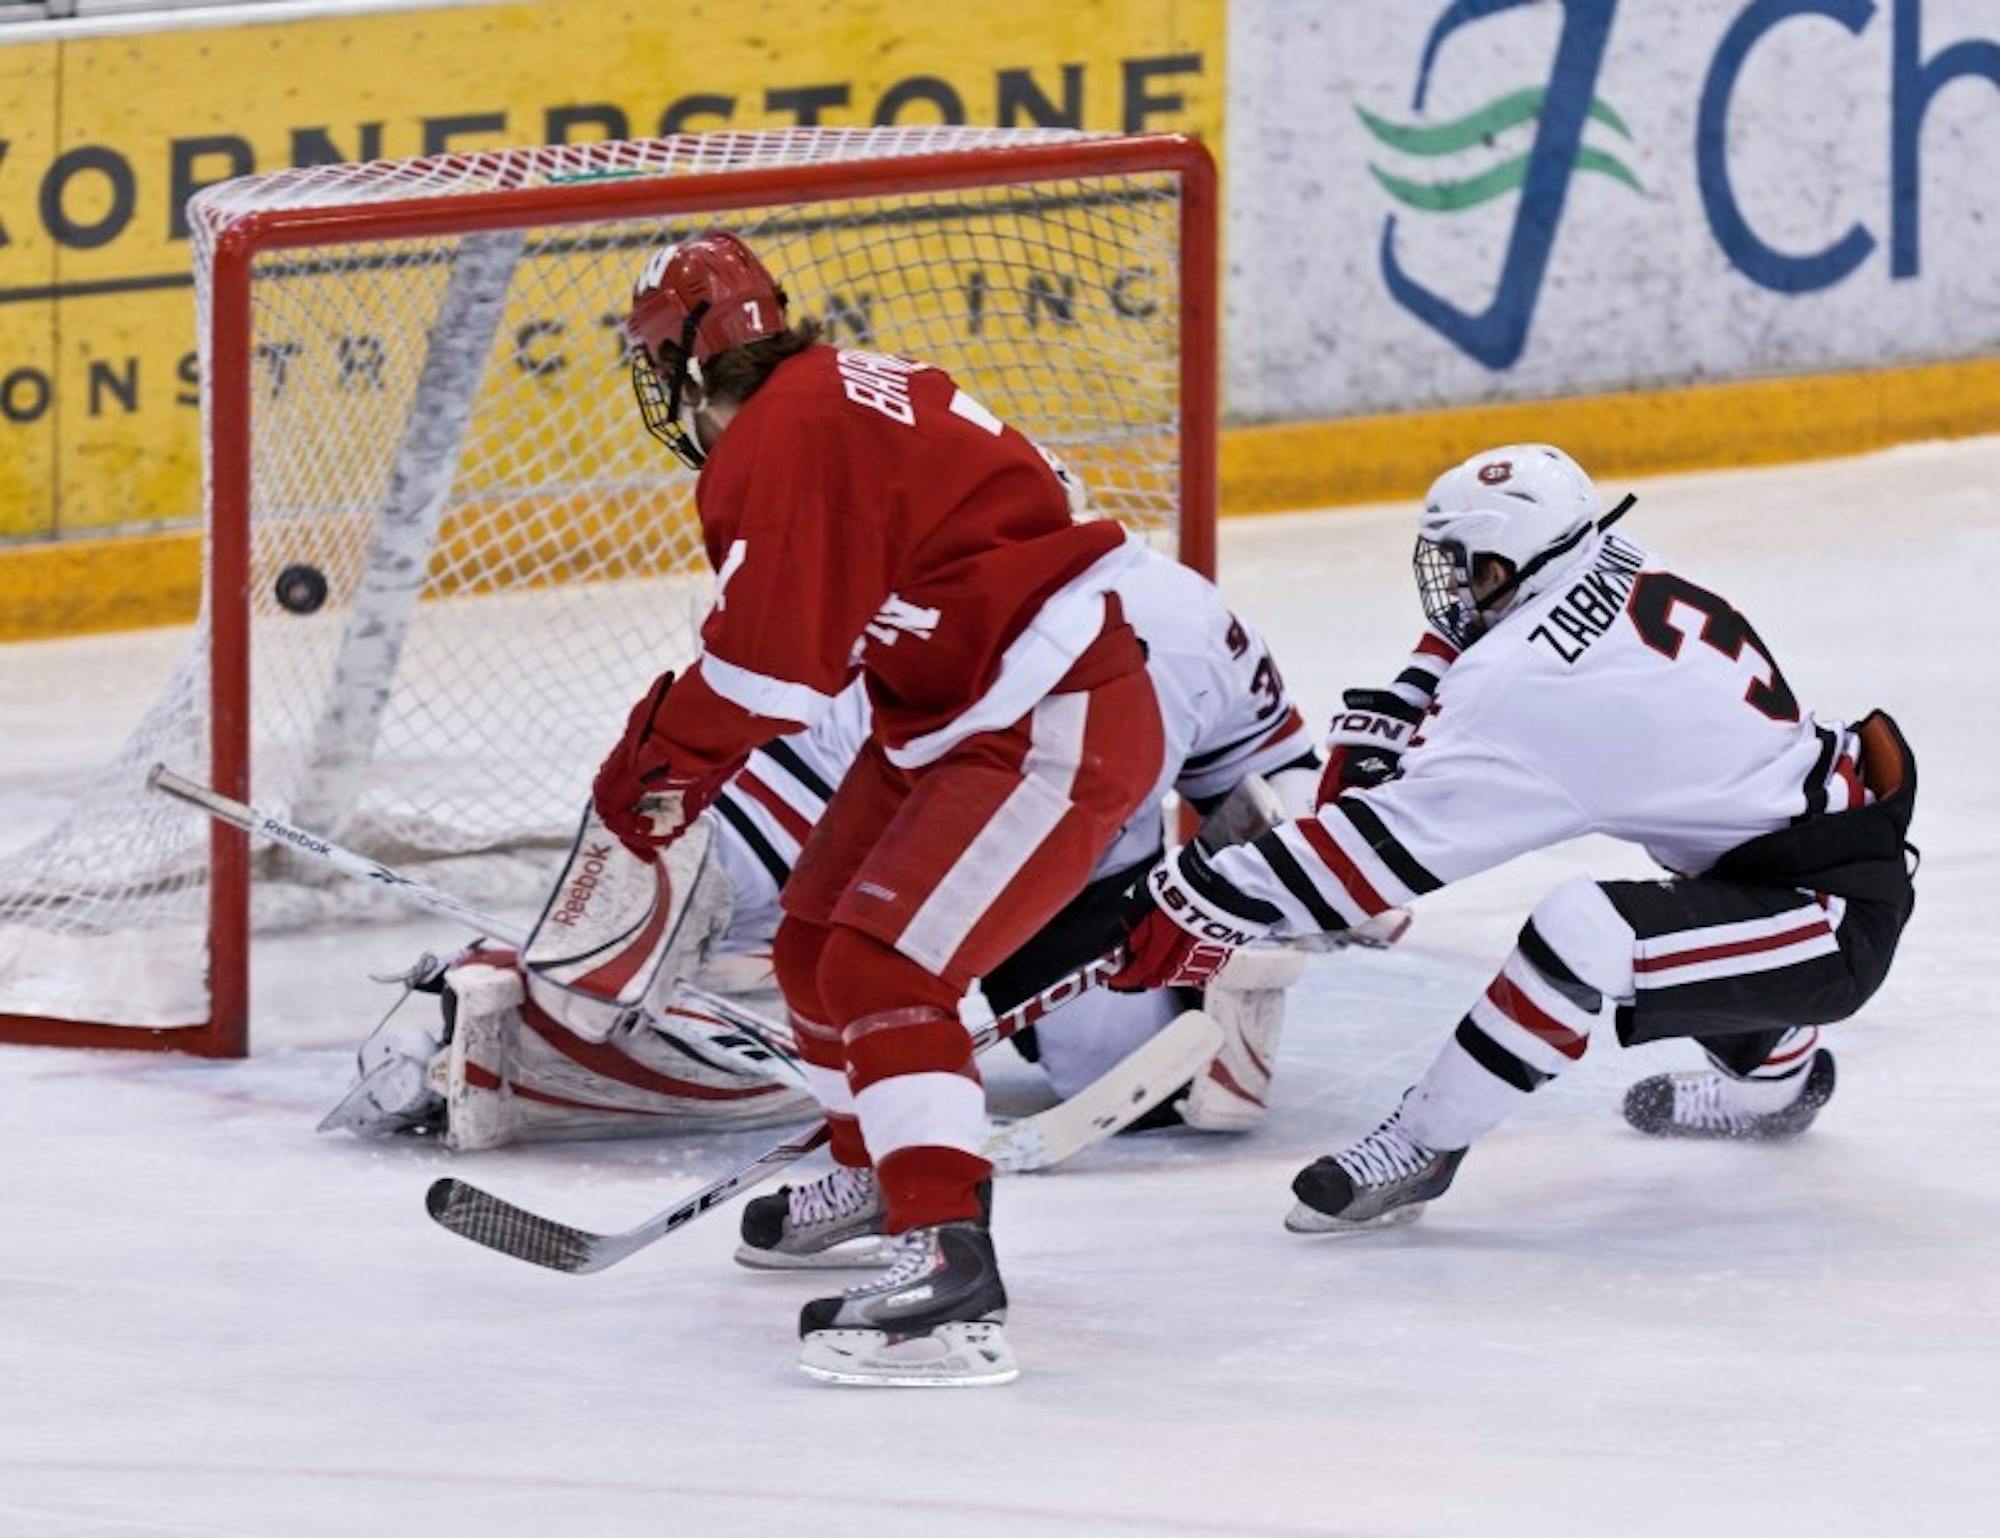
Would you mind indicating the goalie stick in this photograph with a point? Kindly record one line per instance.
(1102, 1108)
(262, 825)
(1111, 1102)
(1119, 1097)
(771, 1052)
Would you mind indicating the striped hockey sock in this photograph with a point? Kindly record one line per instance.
(1532, 1022)
(1774, 1083)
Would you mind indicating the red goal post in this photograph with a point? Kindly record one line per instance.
(291, 479)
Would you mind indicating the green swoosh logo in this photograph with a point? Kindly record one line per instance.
(1493, 118)
(1481, 127)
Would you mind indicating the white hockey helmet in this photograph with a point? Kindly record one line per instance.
(1527, 504)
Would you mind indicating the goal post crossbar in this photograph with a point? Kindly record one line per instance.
(241, 238)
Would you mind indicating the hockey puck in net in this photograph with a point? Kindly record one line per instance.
(301, 589)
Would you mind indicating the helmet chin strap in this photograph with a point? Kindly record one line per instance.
(1508, 588)
(1625, 505)
(684, 443)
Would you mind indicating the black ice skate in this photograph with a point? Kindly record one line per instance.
(1699, 1104)
(815, 1226)
(1379, 1182)
(933, 1319)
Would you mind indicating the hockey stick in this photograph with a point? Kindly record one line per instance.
(486, 1219)
(240, 815)
(769, 1036)
(1115, 1100)
(1109, 1105)
(1104, 1107)
(499, 1225)
(1111, 1102)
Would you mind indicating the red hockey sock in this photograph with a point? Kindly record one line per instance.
(909, 1064)
(795, 957)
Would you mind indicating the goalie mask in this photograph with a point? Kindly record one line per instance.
(695, 298)
(1527, 505)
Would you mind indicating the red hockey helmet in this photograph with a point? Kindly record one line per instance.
(695, 298)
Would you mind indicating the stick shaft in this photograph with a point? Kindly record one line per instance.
(276, 830)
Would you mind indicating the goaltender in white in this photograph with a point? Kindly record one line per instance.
(518, 1056)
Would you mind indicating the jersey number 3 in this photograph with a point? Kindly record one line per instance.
(1723, 627)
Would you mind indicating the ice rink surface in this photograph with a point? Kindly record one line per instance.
(213, 1322)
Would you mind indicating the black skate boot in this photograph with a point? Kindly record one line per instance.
(933, 1319)
(815, 1226)
(1379, 1182)
(1700, 1105)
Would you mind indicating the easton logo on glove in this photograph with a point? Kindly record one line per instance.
(1365, 742)
(1195, 918)
(1181, 935)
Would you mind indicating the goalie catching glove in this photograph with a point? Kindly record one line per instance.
(1184, 923)
(639, 795)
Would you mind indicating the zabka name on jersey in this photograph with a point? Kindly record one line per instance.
(1593, 605)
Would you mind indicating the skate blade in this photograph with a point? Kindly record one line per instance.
(875, 1255)
(973, 1354)
(1310, 1220)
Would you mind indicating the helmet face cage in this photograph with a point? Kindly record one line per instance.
(1444, 586)
(661, 401)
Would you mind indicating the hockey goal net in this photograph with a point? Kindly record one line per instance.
(443, 557)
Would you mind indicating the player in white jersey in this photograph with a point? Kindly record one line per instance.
(559, 1073)
(1595, 690)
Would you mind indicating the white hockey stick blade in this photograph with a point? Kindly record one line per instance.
(1376, 934)
(1113, 1102)
(499, 1225)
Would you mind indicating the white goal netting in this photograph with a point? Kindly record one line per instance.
(442, 433)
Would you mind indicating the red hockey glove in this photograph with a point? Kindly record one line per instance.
(1184, 922)
(1365, 743)
(638, 793)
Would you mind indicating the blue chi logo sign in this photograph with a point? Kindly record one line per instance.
(1560, 114)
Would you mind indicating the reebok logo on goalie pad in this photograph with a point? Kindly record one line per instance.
(590, 871)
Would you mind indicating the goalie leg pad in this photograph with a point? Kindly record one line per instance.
(618, 930)
(1088, 1037)
(1232, 1093)
(514, 1074)
(1251, 809)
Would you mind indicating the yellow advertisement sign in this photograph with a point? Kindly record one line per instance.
(105, 138)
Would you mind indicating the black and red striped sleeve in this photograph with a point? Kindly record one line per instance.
(1461, 805)
(1417, 683)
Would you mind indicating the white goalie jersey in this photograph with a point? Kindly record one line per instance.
(1223, 707)
(542, 1050)
(1625, 700)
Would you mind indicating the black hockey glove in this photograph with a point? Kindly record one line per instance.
(1365, 743)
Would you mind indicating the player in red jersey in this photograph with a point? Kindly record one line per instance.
(862, 512)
